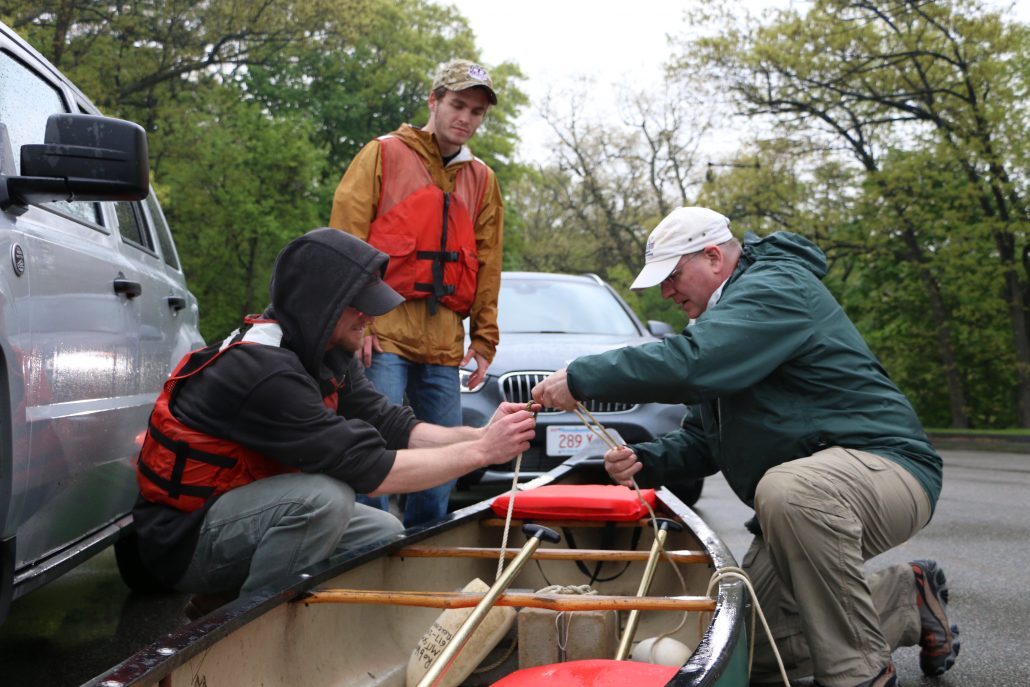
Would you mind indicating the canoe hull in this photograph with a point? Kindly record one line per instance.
(276, 639)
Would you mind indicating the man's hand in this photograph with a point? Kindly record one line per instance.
(481, 365)
(368, 344)
(554, 392)
(507, 408)
(621, 463)
(510, 430)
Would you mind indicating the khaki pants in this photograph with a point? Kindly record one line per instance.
(822, 517)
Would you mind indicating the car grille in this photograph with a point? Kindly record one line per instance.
(517, 387)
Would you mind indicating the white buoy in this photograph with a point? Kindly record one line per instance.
(667, 652)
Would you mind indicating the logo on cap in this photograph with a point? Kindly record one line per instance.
(478, 73)
(649, 248)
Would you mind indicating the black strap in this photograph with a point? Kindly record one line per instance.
(437, 287)
(607, 542)
(431, 288)
(193, 454)
(444, 255)
(168, 486)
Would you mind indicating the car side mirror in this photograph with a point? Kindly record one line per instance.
(660, 329)
(82, 157)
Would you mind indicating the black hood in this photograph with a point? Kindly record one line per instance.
(314, 278)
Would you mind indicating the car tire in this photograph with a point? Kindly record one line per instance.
(688, 492)
(132, 570)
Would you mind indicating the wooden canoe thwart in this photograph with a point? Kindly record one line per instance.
(432, 608)
(548, 554)
(553, 602)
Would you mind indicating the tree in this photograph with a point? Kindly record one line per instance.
(253, 110)
(354, 88)
(610, 183)
(873, 77)
(239, 185)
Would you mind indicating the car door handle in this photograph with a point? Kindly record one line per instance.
(131, 289)
(176, 303)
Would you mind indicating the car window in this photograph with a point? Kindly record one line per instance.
(560, 306)
(164, 235)
(131, 224)
(26, 100)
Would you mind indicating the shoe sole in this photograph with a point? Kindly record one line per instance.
(937, 588)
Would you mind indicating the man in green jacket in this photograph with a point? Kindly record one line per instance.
(807, 428)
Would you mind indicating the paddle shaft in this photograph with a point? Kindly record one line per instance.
(645, 584)
(457, 643)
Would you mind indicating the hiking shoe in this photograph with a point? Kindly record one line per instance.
(200, 605)
(938, 638)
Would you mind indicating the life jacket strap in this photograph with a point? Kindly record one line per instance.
(178, 447)
(172, 489)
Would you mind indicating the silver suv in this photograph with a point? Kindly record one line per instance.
(94, 312)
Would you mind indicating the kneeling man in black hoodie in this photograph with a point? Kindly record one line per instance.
(258, 444)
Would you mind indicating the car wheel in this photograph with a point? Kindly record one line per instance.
(687, 492)
(132, 570)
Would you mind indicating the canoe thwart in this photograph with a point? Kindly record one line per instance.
(547, 554)
(554, 602)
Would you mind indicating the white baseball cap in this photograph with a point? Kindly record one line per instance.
(686, 230)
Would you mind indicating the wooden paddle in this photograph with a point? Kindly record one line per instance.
(664, 525)
(443, 662)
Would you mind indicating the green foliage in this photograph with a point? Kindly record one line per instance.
(239, 184)
(253, 111)
(908, 167)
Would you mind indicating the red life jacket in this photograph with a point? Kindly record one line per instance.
(428, 234)
(184, 468)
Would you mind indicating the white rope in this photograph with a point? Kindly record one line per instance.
(733, 572)
(511, 506)
(729, 572)
(507, 518)
(562, 633)
(723, 573)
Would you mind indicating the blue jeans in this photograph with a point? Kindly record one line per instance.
(434, 393)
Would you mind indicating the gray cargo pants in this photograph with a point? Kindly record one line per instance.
(264, 532)
(822, 517)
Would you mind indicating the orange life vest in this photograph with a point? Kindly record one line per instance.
(428, 234)
(183, 468)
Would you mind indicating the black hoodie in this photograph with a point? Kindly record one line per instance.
(269, 398)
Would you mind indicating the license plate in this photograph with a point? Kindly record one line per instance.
(567, 440)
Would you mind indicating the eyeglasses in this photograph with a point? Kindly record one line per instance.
(674, 275)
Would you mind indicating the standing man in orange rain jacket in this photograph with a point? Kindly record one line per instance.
(421, 196)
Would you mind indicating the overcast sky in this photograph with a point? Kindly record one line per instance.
(556, 42)
(611, 41)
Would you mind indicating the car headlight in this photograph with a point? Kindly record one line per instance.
(463, 380)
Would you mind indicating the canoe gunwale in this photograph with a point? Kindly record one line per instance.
(703, 669)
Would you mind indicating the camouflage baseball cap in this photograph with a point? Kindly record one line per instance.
(458, 75)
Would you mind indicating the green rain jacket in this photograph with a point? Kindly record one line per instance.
(777, 372)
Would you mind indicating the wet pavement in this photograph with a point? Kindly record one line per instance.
(76, 627)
